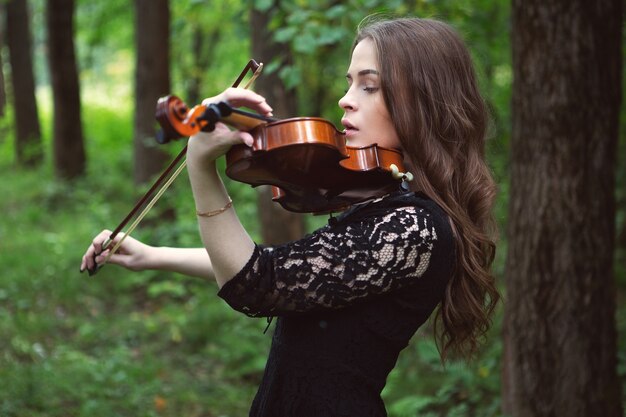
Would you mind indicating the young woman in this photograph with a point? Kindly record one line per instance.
(349, 296)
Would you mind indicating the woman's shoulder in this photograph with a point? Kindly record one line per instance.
(407, 213)
(402, 203)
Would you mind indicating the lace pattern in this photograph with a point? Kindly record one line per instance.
(350, 261)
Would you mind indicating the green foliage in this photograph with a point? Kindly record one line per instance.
(209, 45)
(421, 386)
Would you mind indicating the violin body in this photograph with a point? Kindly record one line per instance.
(305, 159)
(311, 168)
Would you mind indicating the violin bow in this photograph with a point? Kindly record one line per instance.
(165, 177)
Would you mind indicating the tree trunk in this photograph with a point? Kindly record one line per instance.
(69, 150)
(152, 80)
(3, 93)
(27, 132)
(560, 334)
(277, 224)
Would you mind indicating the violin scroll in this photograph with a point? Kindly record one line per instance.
(178, 121)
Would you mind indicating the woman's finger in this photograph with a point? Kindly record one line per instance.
(238, 97)
(95, 248)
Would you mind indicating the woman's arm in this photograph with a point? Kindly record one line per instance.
(193, 262)
(137, 256)
(228, 244)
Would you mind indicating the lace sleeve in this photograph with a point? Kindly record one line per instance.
(336, 266)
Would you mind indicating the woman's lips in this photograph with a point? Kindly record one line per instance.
(349, 127)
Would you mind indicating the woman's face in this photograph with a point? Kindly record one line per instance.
(366, 118)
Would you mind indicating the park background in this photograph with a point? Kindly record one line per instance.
(155, 343)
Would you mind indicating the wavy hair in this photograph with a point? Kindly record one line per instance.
(431, 92)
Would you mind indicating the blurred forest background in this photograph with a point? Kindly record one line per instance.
(78, 89)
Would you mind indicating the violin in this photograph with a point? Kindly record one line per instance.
(304, 159)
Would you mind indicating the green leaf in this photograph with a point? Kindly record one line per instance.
(410, 406)
(306, 43)
(299, 17)
(336, 12)
(331, 35)
(286, 34)
(263, 5)
(291, 76)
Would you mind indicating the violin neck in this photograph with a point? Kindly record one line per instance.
(239, 119)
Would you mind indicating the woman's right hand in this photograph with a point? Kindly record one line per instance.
(132, 254)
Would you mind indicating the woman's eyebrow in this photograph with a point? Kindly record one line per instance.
(363, 72)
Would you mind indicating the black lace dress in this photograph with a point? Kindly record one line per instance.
(347, 299)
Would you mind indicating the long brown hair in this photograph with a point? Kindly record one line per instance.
(430, 89)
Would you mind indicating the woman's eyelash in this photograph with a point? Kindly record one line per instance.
(366, 89)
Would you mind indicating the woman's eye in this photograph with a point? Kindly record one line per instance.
(370, 89)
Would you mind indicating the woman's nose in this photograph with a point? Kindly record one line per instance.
(346, 102)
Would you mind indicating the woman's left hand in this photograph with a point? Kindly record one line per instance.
(204, 148)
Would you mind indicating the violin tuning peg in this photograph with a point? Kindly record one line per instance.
(396, 174)
(161, 137)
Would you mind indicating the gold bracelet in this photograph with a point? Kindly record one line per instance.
(216, 212)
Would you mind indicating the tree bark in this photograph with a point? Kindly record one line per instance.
(28, 145)
(560, 334)
(69, 150)
(152, 80)
(277, 224)
(3, 93)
